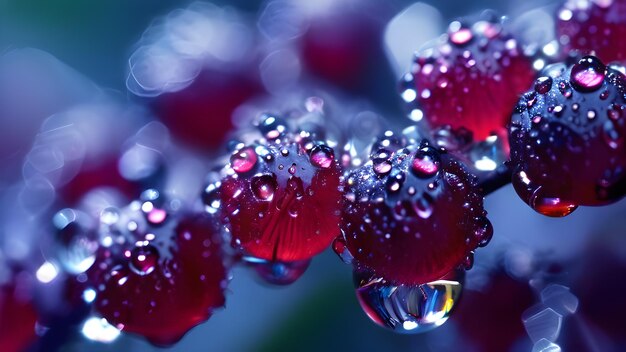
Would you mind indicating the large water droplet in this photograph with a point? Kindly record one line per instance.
(144, 259)
(322, 156)
(425, 163)
(588, 74)
(459, 34)
(407, 309)
(263, 186)
(76, 240)
(272, 127)
(243, 160)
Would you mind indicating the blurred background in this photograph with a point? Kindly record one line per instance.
(116, 67)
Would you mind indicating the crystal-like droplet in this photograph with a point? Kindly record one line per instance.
(404, 308)
(588, 74)
(144, 259)
(279, 273)
(322, 156)
(243, 160)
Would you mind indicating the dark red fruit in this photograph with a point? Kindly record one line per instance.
(413, 213)
(567, 138)
(470, 78)
(282, 197)
(17, 317)
(593, 27)
(158, 280)
(200, 115)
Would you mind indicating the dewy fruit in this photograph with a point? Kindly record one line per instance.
(282, 198)
(471, 77)
(413, 213)
(156, 274)
(567, 138)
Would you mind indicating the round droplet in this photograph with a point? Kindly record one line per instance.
(543, 85)
(381, 166)
(279, 273)
(76, 240)
(322, 156)
(407, 308)
(144, 259)
(459, 34)
(483, 232)
(588, 74)
(263, 186)
(272, 127)
(425, 163)
(341, 249)
(243, 160)
(211, 198)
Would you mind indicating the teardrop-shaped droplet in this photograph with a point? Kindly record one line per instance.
(406, 308)
(341, 249)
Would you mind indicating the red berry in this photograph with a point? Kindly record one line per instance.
(282, 197)
(413, 214)
(470, 78)
(567, 138)
(160, 279)
(593, 27)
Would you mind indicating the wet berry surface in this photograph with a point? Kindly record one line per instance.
(567, 138)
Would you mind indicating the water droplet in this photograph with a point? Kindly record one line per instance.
(341, 249)
(459, 34)
(483, 231)
(407, 308)
(76, 240)
(425, 163)
(322, 156)
(263, 186)
(543, 85)
(144, 259)
(381, 166)
(272, 127)
(292, 169)
(278, 273)
(423, 206)
(588, 74)
(211, 198)
(243, 160)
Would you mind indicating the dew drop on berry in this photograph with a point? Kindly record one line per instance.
(322, 156)
(211, 198)
(272, 127)
(243, 160)
(263, 186)
(143, 259)
(279, 273)
(423, 206)
(543, 85)
(425, 164)
(587, 74)
(76, 240)
(407, 309)
(483, 232)
(341, 249)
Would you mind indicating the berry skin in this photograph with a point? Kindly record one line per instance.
(413, 214)
(282, 197)
(470, 78)
(567, 138)
(593, 26)
(158, 275)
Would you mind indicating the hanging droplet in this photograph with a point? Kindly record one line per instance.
(404, 308)
(341, 249)
(279, 273)
(76, 240)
